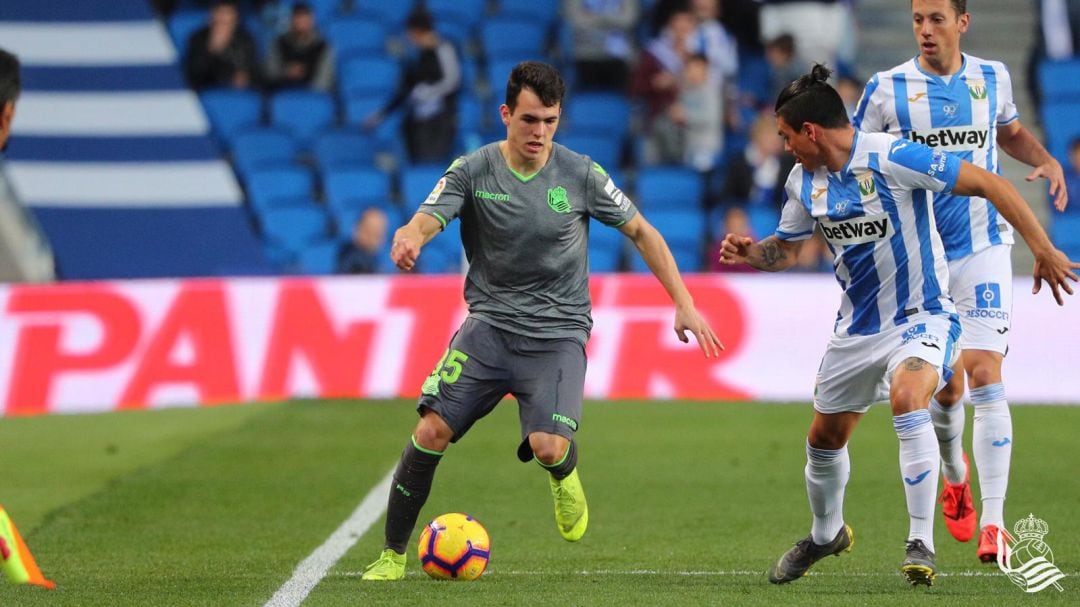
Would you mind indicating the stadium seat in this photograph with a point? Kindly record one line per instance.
(343, 187)
(605, 247)
(667, 188)
(498, 71)
(182, 25)
(601, 114)
(320, 257)
(1060, 80)
(304, 113)
(1061, 127)
(356, 36)
(368, 76)
(263, 148)
(443, 254)
(603, 150)
(325, 10)
(510, 39)
(230, 111)
(293, 228)
(763, 220)
(391, 14)
(271, 188)
(532, 10)
(418, 181)
(344, 148)
(467, 13)
(1065, 232)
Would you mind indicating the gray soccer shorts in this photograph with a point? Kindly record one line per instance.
(484, 363)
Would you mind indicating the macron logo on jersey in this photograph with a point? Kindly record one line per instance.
(857, 230)
(955, 139)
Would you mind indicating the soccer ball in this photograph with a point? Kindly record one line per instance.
(454, 547)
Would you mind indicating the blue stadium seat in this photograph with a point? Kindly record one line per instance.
(510, 39)
(763, 220)
(602, 114)
(368, 76)
(418, 181)
(325, 10)
(391, 13)
(272, 188)
(470, 124)
(230, 111)
(603, 150)
(1060, 80)
(1061, 126)
(387, 135)
(498, 71)
(304, 113)
(182, 25)
(664, 187)
(356, 36)
(542, 12)
(343, 187)
(343, 148)
(755, 76)
(263, 148)
(684, 231)
(320, 257)
(605, 247)
(467, 13)
(288, 230)
(1065, 232)
(443, 254)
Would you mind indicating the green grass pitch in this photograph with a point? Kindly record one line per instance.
(689, 504)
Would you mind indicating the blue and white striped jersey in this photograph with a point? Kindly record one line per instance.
(877, 217)
(959, 114)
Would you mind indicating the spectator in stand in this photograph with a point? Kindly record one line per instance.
(714, 41)
(656, 84)
(755, 177)
(817, 25)
(783, 66)
(301, 57)
(223, 53)
(736, 221)
(602, 41)
(1057, 38)
(429, 84)
(700, 98)
(364, 253)
(10, 88)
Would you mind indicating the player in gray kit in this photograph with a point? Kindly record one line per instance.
(524, 205)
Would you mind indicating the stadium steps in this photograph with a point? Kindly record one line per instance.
(1002, 30)
(111, 151)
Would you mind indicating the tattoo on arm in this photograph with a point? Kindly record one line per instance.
(771, 253)
(914, 364)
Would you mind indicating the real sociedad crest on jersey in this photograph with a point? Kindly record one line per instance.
(977, 88)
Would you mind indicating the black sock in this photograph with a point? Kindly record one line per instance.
(412, 483)
(562, 469)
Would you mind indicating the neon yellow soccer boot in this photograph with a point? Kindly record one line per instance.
(571, 511)
(389, 566)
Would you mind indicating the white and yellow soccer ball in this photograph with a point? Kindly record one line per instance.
(454, 546)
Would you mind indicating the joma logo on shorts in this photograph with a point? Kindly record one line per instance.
(562, 419)
(857, 230)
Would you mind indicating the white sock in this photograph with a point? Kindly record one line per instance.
(919, 469)
(992, 447)
(827, 472)
(949, 428)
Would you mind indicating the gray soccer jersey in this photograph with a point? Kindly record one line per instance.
(526, 238)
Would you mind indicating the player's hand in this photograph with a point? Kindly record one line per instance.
(1054, 268)
(403, 252)
(688, 319)
(734, 249)
(1053, 172)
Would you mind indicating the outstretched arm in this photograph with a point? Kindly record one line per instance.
(1019, 143)
(409, 238)
(1050, 264)
(654, 250)
(769, 255)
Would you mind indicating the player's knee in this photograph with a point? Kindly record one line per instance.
(984, 374)
(906, 399)
(548, 448)
(432, 433)
(951, 395)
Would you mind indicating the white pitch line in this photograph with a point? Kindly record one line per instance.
(313, 569)
(731, 573)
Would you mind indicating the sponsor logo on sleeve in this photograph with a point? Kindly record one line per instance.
(433, 197)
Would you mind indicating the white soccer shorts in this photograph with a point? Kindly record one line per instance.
(856, 370)
(981, 285)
